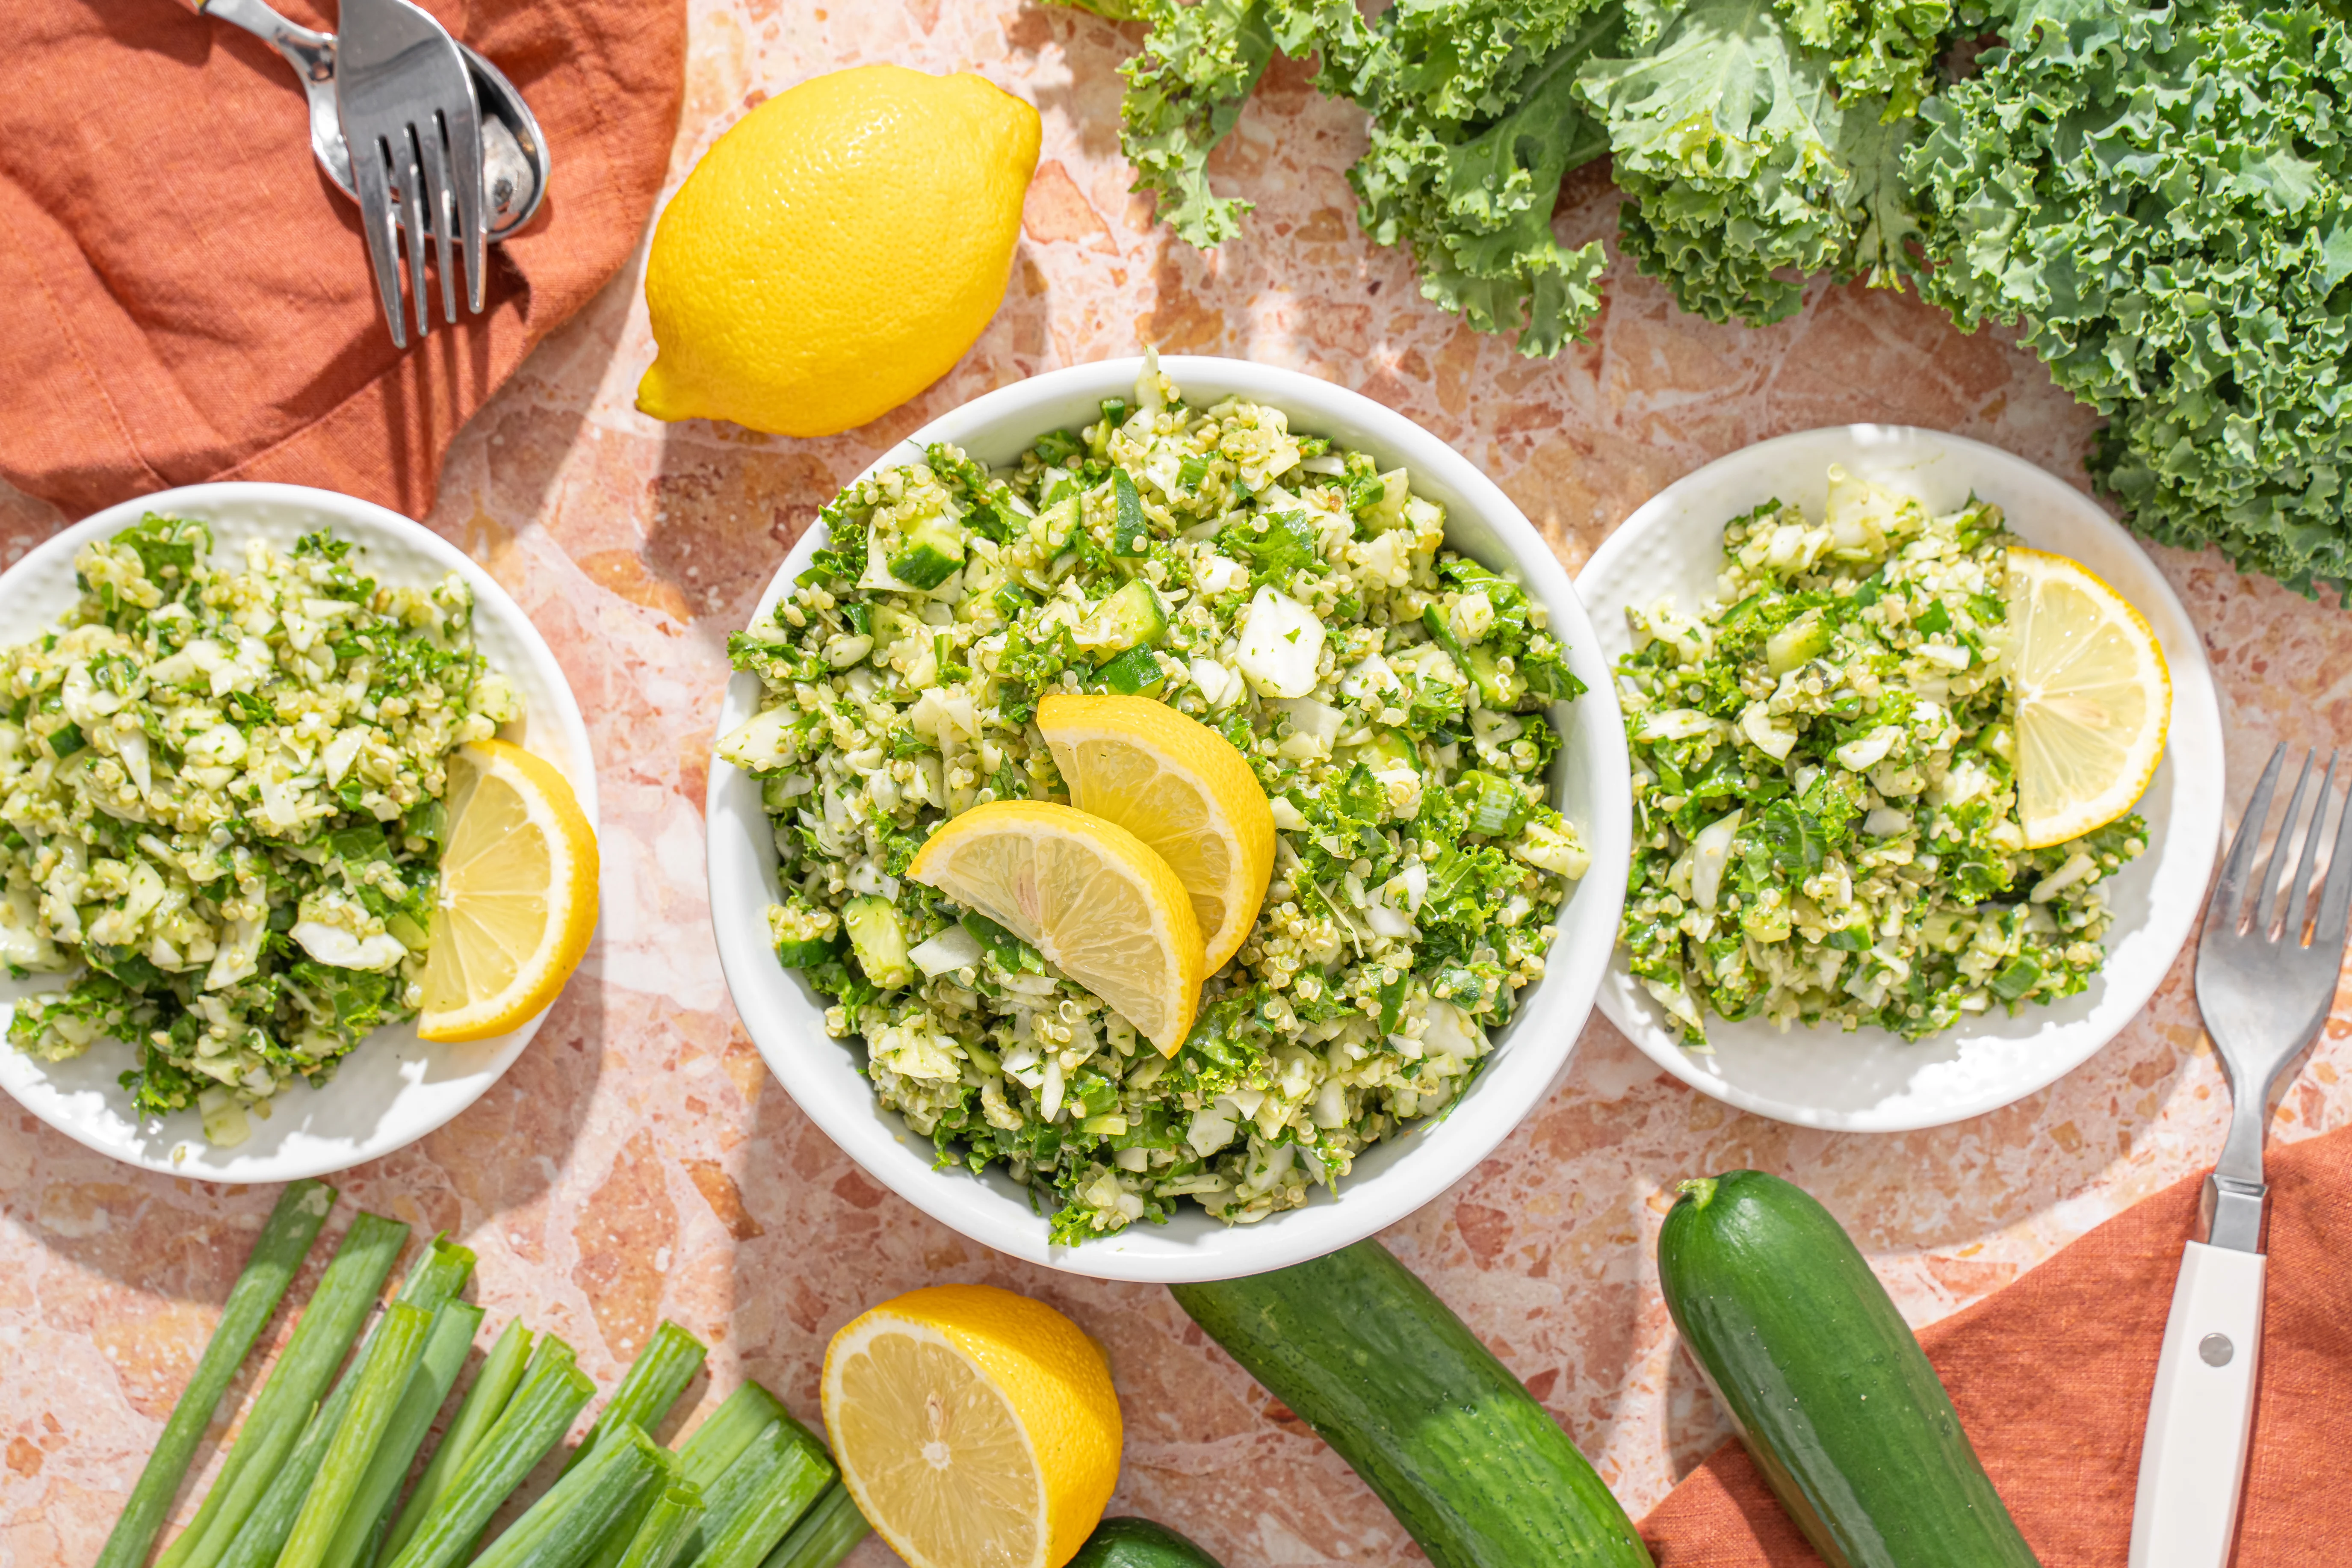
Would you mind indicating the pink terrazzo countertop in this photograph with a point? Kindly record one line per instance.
(640, 1163)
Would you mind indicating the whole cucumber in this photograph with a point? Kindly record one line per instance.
(1825, 1382)
(1468, 1462)
(1139, 1543)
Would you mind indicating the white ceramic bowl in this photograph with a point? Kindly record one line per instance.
(1871, 1080)
(1589, 784)
(395, 1089)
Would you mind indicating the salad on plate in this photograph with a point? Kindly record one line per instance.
(1880, 778)
(223, 786)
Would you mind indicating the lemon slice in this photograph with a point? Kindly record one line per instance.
(1089, 895)
(518, 898)
(2093, 698)
(974, 1428)
(1182, 788)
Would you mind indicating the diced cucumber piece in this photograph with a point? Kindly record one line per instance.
(1135, 673)
(932, 553)
(1131, 617)
(803, 936)
(1498, 806)
(1132, 530)
(1497, 689)
(1386, 748)
(1807, 637)
(879, 940)
(1432, 620)
(1052, 527)
(1500, 689)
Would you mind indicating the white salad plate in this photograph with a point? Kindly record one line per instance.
(1871, 1080)
(394, 1088)
(1589, 783)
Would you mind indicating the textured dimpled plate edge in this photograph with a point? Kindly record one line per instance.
(1871, 1080)
(394, 1088)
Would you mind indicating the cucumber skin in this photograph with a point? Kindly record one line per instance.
(1461, 1453)
(1139, 1543)
(1826, 1384)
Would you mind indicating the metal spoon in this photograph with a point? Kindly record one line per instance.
(514, 153)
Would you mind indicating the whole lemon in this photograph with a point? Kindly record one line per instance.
(836, 250)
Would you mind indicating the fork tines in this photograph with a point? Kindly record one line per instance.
(412, 168)
(415, 133)
(2280, 911)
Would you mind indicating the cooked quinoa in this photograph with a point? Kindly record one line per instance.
(222, 787)
(1389, 694)
(1824, 759)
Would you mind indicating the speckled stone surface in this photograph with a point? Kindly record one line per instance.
(639, 1161)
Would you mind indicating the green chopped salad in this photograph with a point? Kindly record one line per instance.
(1391, 695)
(222, 787)
(1824, 763)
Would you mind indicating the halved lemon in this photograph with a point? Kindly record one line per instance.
(518, 898)
(1182, 788)
(974, 1428)
(2093, 698)
(1087, 894)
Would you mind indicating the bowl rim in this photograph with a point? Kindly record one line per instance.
(2195, 731)
(1552, 1011)
(565, 727)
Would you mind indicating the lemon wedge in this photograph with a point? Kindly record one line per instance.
(1087, 894)
(973, 1428)
(1182, 788)
(2093, 698)
(518, 896)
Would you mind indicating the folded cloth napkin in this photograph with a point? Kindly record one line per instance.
(189, 299)
(2051, 1377)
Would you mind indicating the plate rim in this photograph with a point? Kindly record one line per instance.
(567, 724)
(2195, 708)
(1322, 1225)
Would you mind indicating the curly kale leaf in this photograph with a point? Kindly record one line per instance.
(1473, 125)
(2161, 197)
(1747, 167)
(1761, 140)
(1475, 203)
(1184, 92)
(1884, 49)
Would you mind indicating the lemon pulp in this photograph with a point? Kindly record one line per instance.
(517, 901)
(1087, 894)
(1183, 790)
(2093, 698)
(974, 1428)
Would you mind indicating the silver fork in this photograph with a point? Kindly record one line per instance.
(514, 149)
(413, 125)
(2264, 990)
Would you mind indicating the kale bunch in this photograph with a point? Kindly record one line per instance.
(2161, 196)
(1759, 139)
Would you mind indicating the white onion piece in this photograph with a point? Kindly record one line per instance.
(952, 949)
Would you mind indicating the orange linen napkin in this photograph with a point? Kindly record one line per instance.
(2051, 1377)
(188, 299)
